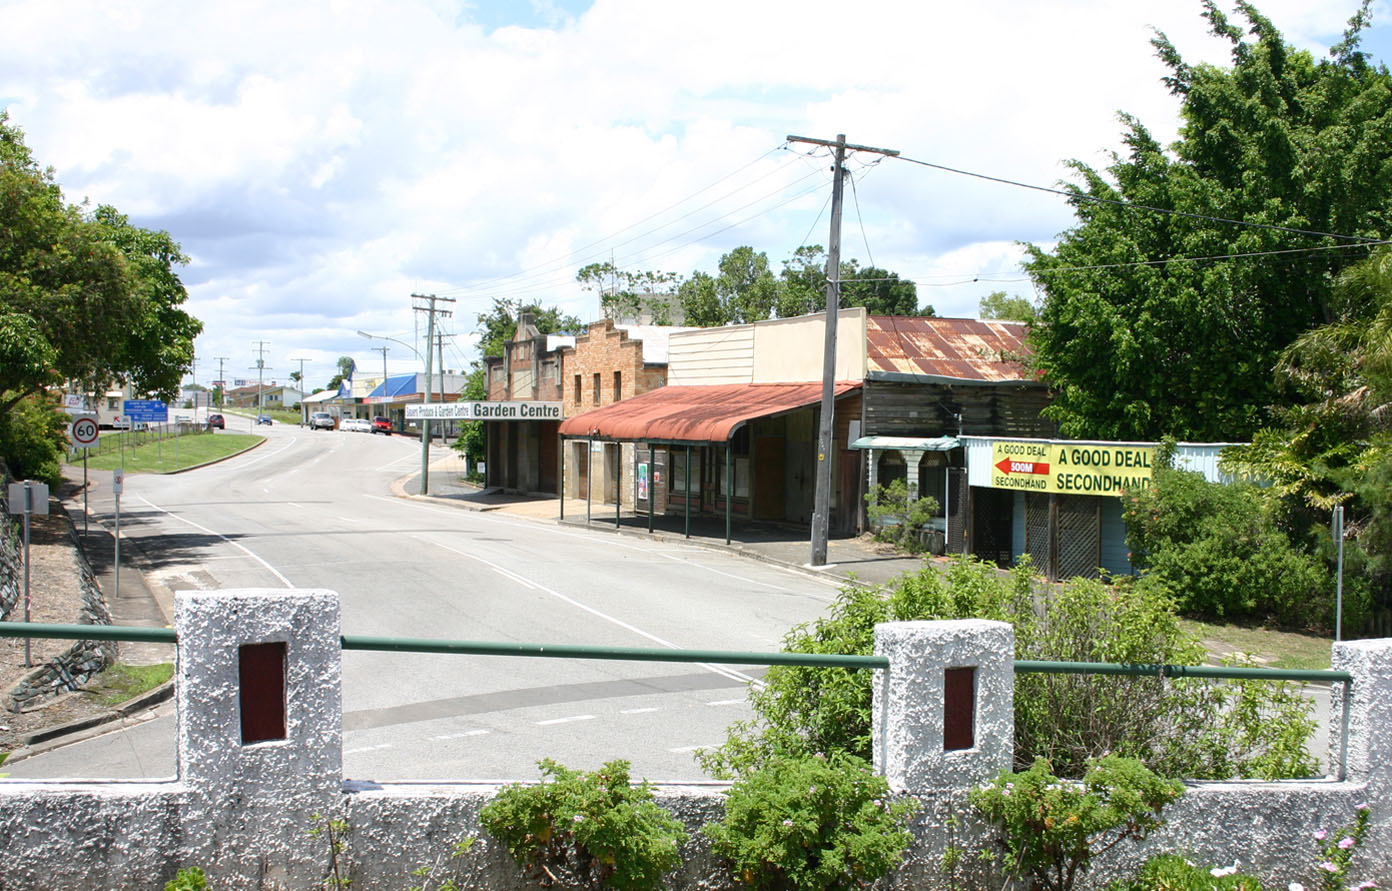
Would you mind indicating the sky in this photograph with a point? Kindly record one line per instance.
(320, 162)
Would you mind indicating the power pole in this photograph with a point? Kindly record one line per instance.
(821, 511)
(303, 410)
(428, 306)
(221, 381)
(260, 367)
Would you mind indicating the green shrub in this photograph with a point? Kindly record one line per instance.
(189, 879)
(1337, 849)
(590, 830)
(896, 519)
(1051, 829)
(1193, 728)
(1172, 872)
(816, 823)
(31, 440)
(1222, 553)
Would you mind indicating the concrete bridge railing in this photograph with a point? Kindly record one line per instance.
(260, 748)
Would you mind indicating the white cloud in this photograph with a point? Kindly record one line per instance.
(321, 162)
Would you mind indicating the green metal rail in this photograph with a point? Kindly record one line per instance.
(647, 654)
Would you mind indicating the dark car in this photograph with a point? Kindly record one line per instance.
(381, 425)
(216, 421)
(263, 419)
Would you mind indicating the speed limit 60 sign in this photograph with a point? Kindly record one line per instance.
(84, 432)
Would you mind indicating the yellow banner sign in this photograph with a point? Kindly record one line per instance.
(1072, 469)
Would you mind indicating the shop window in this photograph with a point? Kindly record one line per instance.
(932, 477)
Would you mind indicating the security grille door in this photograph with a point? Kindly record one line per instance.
(1079, 536)
(956, 519)
(1038, 541)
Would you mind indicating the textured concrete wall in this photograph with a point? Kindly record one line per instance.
(242, 811)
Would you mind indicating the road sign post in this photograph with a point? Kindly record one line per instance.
(84, 433)
(27, 498)
(118, 485)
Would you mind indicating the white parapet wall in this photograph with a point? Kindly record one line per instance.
(260, 751)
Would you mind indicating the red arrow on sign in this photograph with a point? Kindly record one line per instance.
(1007, 467)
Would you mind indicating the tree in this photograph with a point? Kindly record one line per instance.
(880, 291)
(473, 439)
(998, 305)
(1333, 446)
(1141, 335)
(632, 294)
(346, 369)
(497, 326)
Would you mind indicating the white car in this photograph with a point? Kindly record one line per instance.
(321, 420)
(356, 425)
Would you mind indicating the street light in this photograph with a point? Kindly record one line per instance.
(425, 423)
(384, 353)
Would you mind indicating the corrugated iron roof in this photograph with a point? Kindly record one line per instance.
(695, 414)
(914, 348)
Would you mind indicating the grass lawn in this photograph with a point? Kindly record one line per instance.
(175, 453)
(1271, 649)
(122, 682)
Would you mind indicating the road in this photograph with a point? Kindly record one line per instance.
(316, 510)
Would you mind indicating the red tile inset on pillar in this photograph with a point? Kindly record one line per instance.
(261, 669)
(959, 708)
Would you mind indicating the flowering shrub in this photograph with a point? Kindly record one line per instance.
(1337, 849)
(1172, 872)
(811, 823)
(586, 830)
(1051, 828)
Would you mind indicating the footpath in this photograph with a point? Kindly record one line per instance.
(861, 558)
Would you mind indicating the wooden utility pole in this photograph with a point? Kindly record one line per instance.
(428, 306)
(826, 440)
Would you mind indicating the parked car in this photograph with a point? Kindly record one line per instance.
(216, 421)
(263, 419)
(321, 420)
(356, 425)
(381, 425)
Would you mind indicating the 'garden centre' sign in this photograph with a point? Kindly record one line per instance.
(1071, 468)
(487, 411)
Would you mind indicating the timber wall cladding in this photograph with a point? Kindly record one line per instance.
(927, 409)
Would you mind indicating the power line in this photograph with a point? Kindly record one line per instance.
(578, 254)
(990, 278)
(1081, 196)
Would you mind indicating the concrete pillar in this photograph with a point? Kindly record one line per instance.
(260, 736)
(1368, 717)
(911, 458)
(943, 714)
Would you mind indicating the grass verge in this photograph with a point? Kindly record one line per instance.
(1272, 649)
(175, 453)
(121, 682)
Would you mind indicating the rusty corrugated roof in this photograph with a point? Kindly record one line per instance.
(697, 413)
(914, 347)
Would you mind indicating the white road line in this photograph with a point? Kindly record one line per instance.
(239, 466)
(685, 749)
(637, 711)
(727, 702)
(375, 748)
(238, 545)
(390, 465)
(569, 720)
(507, 573)
(444, 736)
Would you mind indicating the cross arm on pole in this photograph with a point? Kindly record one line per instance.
(850, 147)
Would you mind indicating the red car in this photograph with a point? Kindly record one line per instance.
(381, 425)
(216, 421)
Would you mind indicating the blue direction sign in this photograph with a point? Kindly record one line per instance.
(146, 411)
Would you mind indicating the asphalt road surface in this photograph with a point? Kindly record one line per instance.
(315, 510)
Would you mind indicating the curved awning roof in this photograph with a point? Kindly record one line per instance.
(912, 443)
(701, 414)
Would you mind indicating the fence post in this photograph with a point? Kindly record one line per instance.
(943, 714)
(260, 730)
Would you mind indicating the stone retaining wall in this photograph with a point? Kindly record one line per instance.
(76, 665)
(240, 810)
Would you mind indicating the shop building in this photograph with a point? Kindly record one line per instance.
(1060, 500)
